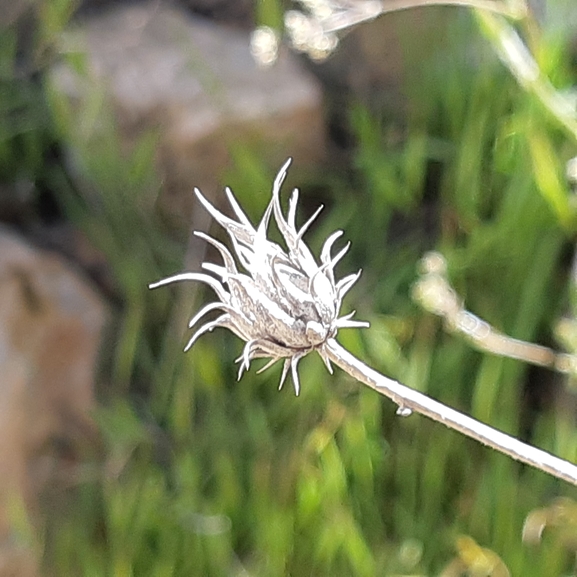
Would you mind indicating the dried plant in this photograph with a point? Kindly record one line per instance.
(316, 27)
(434, 293)
(286, 305)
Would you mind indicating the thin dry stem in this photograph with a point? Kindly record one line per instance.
(515, 12)
(348, 18)
(410, 400)
(436, 295)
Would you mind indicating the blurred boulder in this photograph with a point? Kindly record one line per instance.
(51, 325)
(196, 84)
(236, 12)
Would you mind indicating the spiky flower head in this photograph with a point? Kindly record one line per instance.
(285, 305)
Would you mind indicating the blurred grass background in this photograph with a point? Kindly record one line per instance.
(204, 475)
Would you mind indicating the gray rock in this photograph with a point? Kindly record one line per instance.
(197, 84)
(236, 12)
(51, 325)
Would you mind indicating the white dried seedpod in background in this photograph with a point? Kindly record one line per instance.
(264, 45)
(286, 304)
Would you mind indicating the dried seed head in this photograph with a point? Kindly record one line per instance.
(285, 305)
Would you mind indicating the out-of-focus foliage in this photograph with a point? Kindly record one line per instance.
(24, 126)
(203, 475)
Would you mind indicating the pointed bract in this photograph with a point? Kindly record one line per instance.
(285, 305)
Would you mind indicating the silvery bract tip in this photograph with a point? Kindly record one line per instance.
(284, 305)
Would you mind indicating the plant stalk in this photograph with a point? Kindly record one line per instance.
(410, 400)
(496, 6)
(347, 19)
